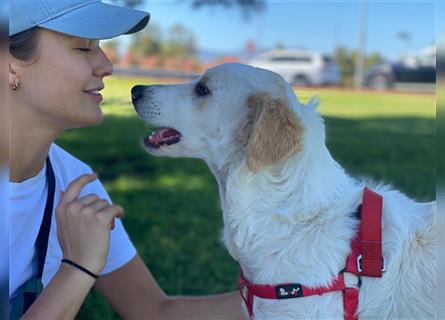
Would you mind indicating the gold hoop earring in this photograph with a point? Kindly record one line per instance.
(16, 85)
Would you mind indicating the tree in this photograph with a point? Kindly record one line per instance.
(246, 6)
(373, 59)
(345, 61)
(179, 43)
(131, 3)
(147, 43)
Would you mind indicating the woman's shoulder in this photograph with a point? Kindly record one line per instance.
(67, 168)
(65, 164)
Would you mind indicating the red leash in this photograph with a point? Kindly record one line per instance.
(365, 259)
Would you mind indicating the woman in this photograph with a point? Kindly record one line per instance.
(56, 71)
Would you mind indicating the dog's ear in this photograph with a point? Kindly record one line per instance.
(275, 134)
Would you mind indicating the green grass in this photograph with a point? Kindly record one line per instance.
(367, 104)
(172, 205)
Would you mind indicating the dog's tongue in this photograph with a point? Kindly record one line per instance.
(163, 136)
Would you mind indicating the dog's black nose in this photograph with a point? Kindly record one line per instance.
(137, 92)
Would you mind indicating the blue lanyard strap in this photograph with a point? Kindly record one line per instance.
(27, 293)
(42, 238)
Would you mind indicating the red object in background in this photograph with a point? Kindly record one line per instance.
(250, 46)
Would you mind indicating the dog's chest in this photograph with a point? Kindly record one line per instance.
(315, 307)
(271, 249)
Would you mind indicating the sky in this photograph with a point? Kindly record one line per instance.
(316, 25)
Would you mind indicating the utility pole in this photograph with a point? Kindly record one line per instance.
(359, 58)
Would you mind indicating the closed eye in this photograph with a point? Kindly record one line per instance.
(201, 89)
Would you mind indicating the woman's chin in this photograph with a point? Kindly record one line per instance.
(89, 119)
(96, 119)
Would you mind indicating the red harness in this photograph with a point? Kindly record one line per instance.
(365, 259)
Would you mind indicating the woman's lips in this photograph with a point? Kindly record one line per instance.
(95, 95)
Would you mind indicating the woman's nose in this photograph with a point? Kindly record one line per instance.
(103, 67)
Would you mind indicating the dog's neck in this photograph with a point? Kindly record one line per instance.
(221, 166)
(313, 180)
(291, 201)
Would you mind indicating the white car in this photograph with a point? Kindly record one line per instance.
(300, 67)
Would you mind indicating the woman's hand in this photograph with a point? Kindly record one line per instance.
(84, 225)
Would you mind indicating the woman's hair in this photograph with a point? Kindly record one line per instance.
(24, 45)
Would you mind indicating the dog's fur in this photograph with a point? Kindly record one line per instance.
(287, 204)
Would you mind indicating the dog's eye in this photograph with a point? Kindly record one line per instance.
(201, 89)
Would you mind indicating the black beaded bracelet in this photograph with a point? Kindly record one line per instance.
(95, 276)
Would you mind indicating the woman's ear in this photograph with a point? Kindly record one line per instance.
(276, 132)
(13, 79)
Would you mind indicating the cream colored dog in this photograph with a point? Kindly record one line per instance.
(287, 204)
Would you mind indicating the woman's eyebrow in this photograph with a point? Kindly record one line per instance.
(80, 41)
(85, 42)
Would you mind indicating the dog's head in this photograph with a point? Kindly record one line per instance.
(232, 111)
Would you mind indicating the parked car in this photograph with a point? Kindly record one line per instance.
(300, 67)
(420, 69)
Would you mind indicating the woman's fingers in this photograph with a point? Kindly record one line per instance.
(96, 206)
(87, 200)
(90, 204)
(111, 212)
(74, 188)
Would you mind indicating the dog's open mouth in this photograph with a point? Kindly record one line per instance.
(162, 136)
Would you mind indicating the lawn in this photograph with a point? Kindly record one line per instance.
(172, 205)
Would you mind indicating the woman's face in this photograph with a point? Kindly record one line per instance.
(60, 87)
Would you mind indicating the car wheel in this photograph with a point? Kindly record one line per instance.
(380, 83)
(301, 81)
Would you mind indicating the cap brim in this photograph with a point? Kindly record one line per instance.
(99, 21)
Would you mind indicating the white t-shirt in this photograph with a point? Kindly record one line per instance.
(28, 199)
(4, 227)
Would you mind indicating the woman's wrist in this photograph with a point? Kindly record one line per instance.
(69, 272)
(80, 267)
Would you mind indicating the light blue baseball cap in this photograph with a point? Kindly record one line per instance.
(89, 19)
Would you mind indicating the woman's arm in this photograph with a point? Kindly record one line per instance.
(63, 296)
(134, 294)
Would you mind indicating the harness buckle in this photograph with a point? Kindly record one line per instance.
(359, 263)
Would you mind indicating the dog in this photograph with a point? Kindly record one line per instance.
(288, 206)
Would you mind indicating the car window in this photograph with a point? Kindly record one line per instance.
(290, 59)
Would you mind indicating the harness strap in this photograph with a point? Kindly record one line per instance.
(246, 294)
(367, 245)
(350, 295)
(284, 291)
(350, 303)
(371, 234)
